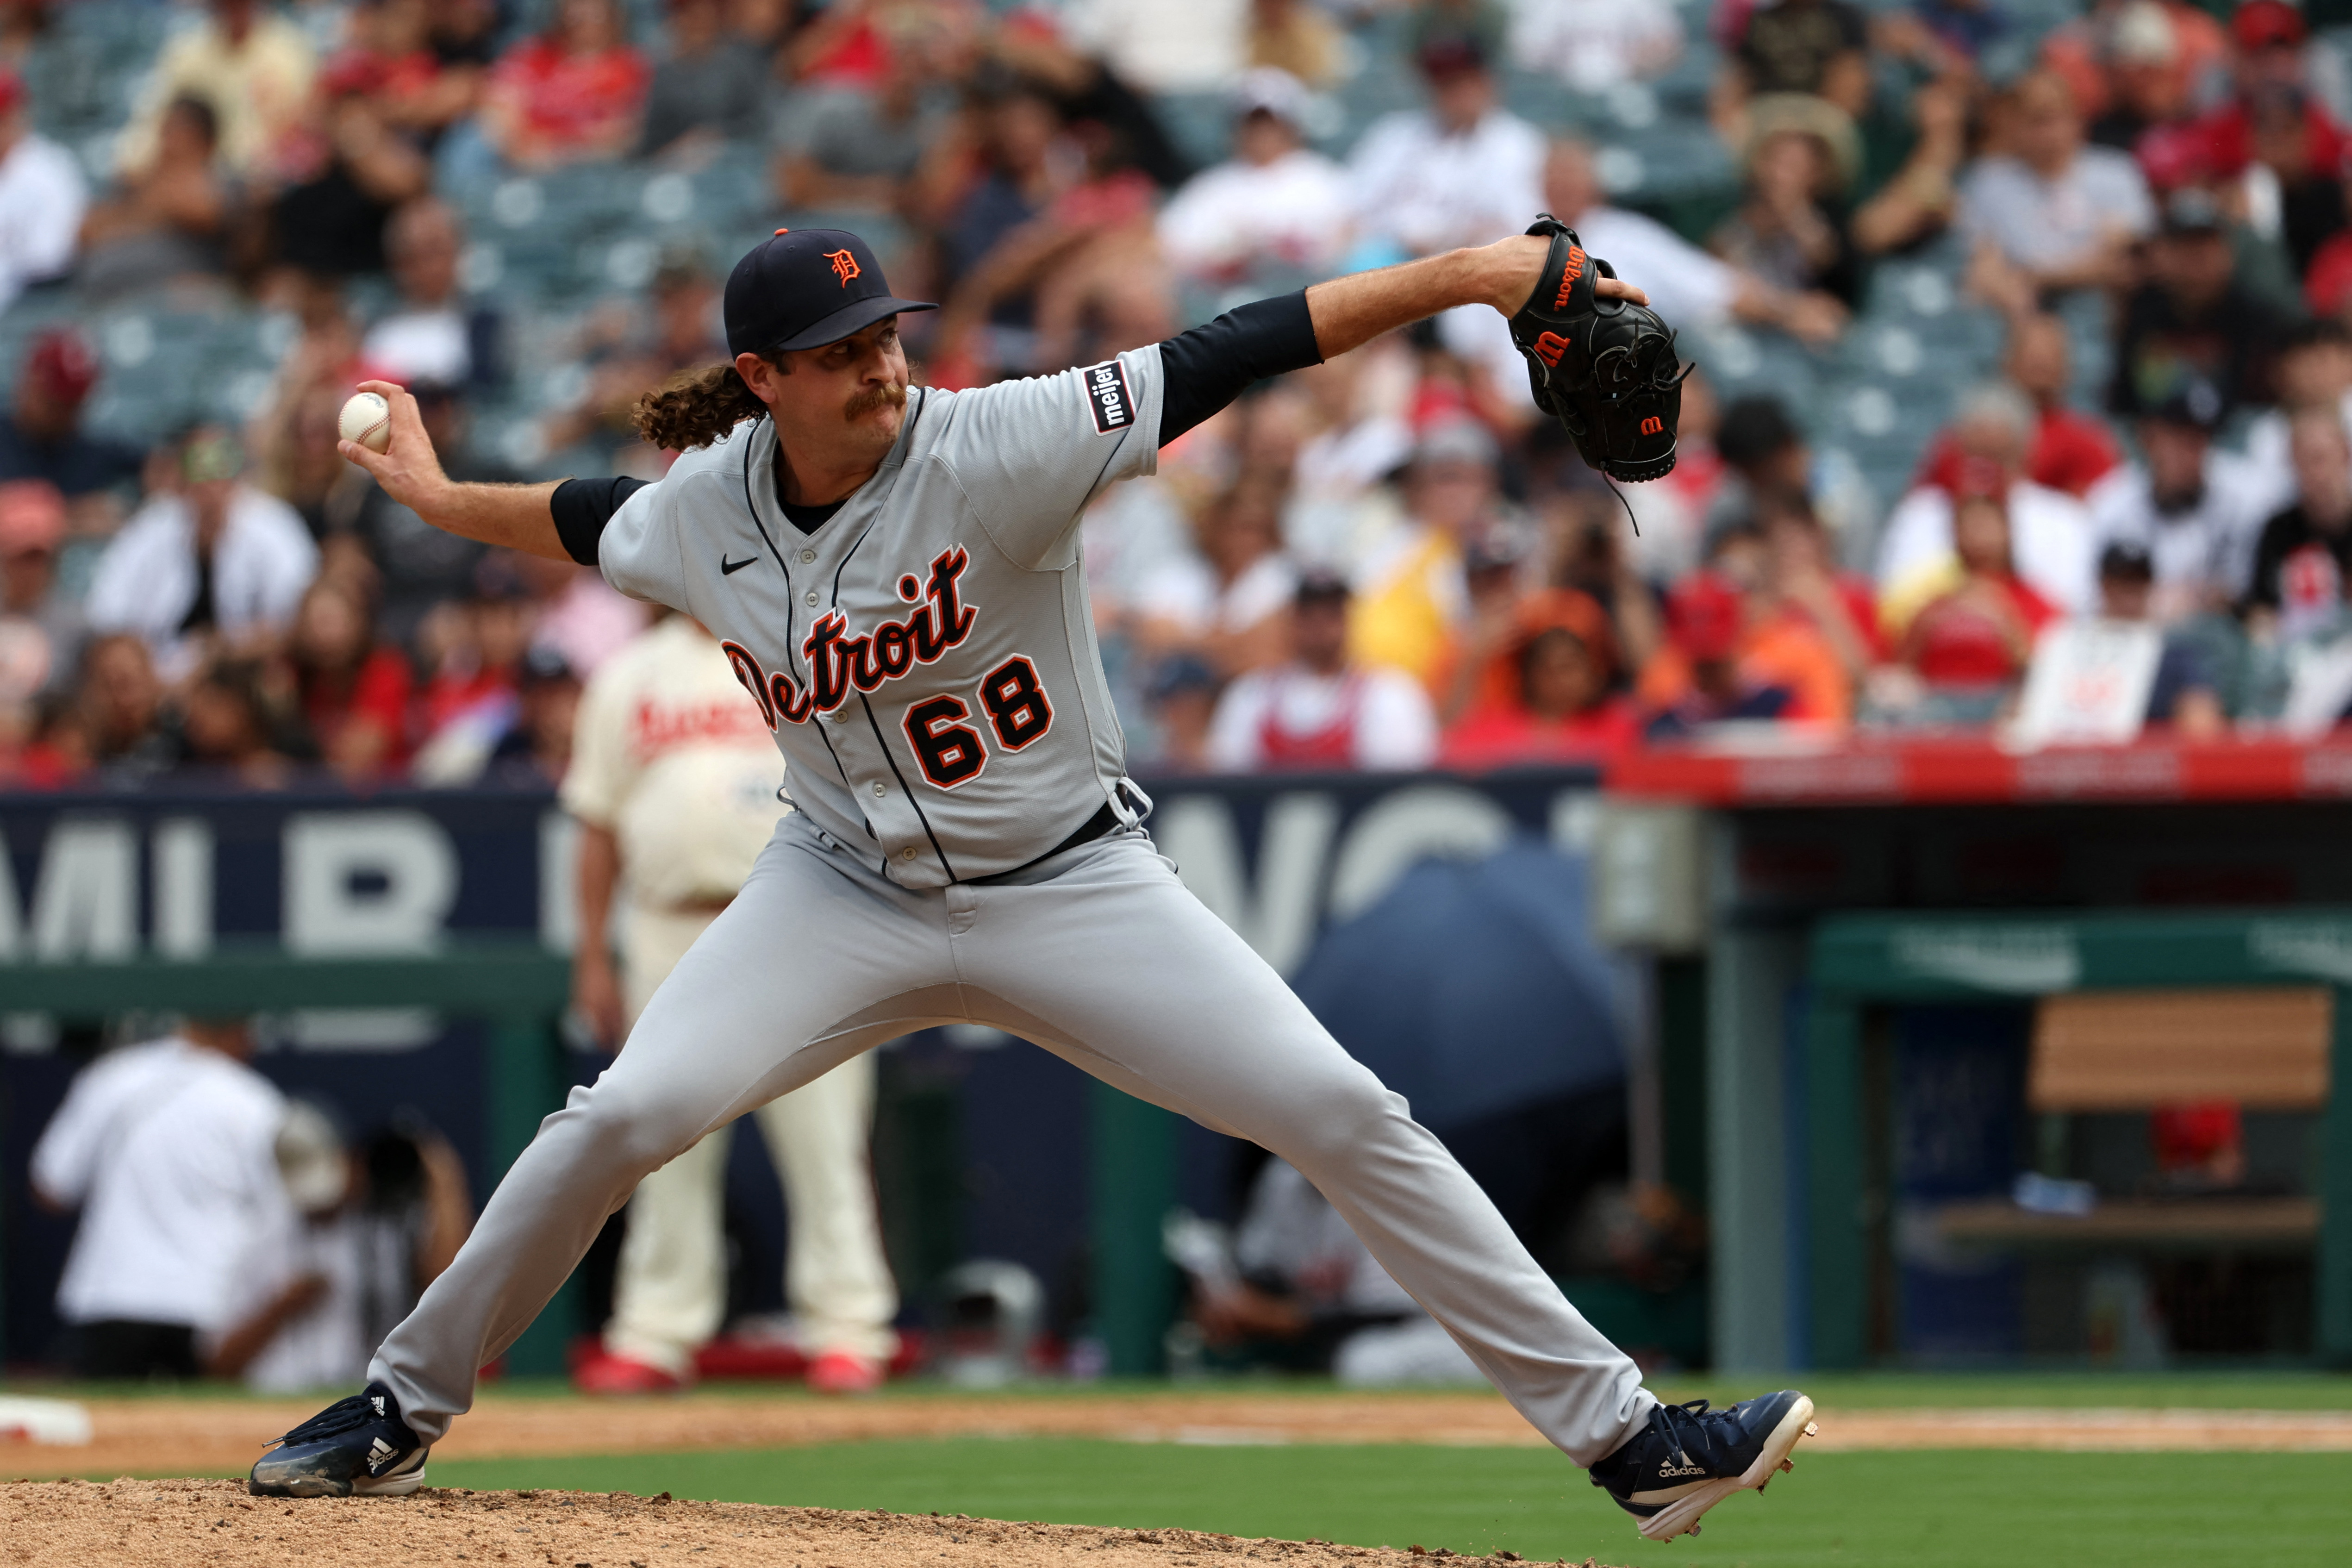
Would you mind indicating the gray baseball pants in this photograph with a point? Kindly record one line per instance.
(1100, 955)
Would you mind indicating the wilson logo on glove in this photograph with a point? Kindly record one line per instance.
(1605, 368)
(1575, 270)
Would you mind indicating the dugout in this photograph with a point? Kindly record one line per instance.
(1932, 967)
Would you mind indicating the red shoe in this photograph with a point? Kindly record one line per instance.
(743, 1356)
(844, 1372)
(604, 1376)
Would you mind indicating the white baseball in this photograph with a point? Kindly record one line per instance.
(367, 419)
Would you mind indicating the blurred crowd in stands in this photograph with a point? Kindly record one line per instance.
(2009, 316)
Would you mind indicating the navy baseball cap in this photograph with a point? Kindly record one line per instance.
(804, 287)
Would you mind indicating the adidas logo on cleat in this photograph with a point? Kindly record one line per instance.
(378, 1452)
(377, 1401)
(1668, 1472)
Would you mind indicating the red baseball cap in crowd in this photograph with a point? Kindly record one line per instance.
(1703, 617)
(62, 364)
(2265, 24)
(32, 516)
(804, 287)
(12, 92)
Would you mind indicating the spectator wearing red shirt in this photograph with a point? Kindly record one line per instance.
(1978, 635)
(571, 95)
(1546, 694)
(390, 54)
(354, 691)
(2069, 451)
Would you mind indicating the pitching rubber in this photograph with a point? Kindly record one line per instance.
(1681, 1516)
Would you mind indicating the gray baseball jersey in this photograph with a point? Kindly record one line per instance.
(927, 658)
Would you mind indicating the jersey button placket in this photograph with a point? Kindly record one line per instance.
(810, 600)
(880, 791)
(807, 557)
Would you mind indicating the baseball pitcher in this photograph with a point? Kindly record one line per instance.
(893, 574)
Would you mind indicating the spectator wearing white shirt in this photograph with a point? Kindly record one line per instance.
(2195, 511)
(2054, 212)
(218, 565)
(431, 335)
(1161, 47)
(1224, 601)
(1358, 431)
(1464, 171)
(1275, 205)
(1592, 44)
(1319, 712)
(42, 198)
(1686, 286)
(2051, 540)
(2183, 693)
(167, 1150)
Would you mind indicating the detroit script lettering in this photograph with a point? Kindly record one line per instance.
(839, 663)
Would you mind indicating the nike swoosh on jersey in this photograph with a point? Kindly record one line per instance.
(729, 568)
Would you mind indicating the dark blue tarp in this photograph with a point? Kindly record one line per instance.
(1474, 986)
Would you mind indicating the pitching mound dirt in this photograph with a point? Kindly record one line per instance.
(201, 1434)
(147, 1524)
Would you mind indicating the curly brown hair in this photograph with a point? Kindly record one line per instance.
(695, 408)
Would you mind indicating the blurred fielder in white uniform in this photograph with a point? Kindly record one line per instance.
(672, 779)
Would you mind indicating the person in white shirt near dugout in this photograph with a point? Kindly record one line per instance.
(166, 1150)
(673, 780)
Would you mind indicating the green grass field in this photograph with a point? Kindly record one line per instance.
(1927, 1510)
(1922, 1509)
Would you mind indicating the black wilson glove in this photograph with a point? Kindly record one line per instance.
(1605, 369)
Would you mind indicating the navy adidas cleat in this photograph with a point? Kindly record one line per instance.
(354, 1447)
(1689, 1458)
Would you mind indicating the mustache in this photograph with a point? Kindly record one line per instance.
(890, 394)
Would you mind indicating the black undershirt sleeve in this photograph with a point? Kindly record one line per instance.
(1208, 367)
(583, 507)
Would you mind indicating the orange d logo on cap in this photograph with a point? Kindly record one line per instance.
(844, 266)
